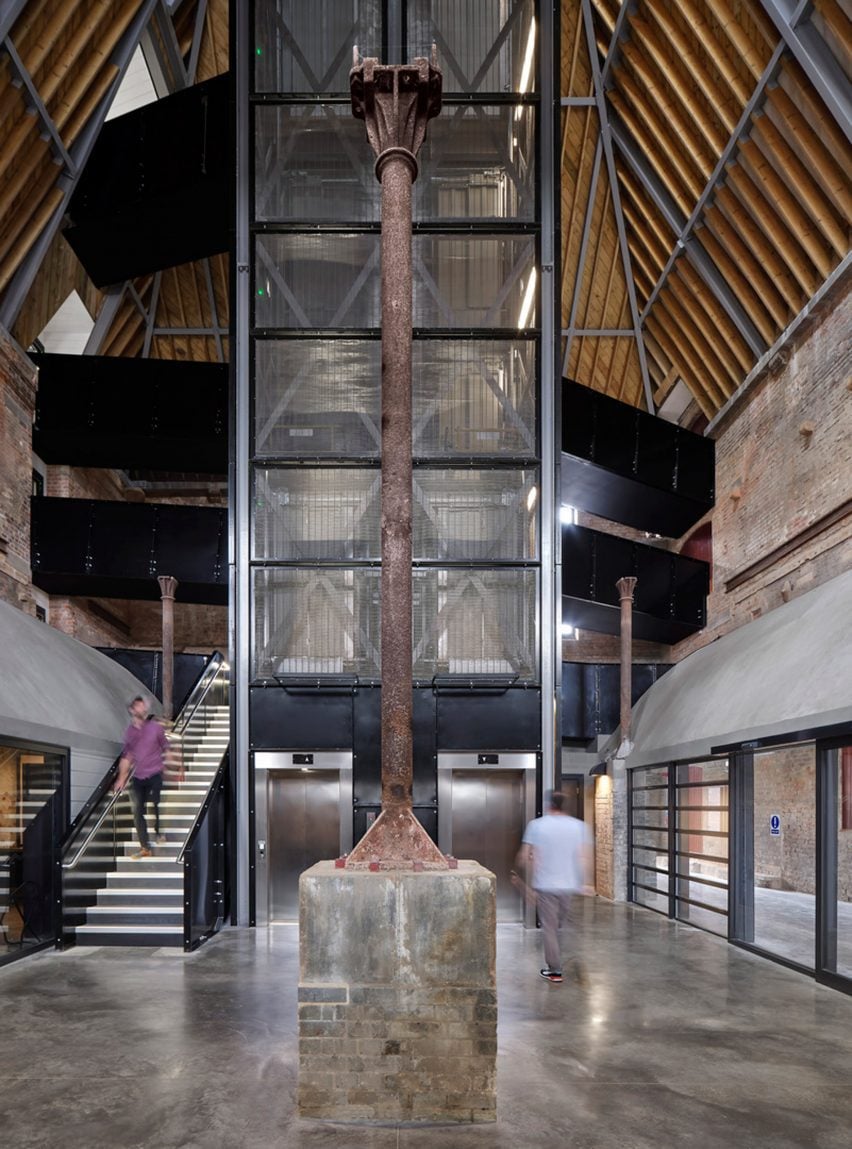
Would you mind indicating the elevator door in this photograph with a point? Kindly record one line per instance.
(488, 822)
(304, 827)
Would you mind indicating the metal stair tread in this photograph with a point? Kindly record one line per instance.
(131, 929)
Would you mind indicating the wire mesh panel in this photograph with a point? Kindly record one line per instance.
(480, 162)
(475, 515)
(307, 47)
(474, 281)
(316, 622)
(475, 621)
(473, 398)
(483, 45)
(318, 397)
(317, 514)
(317, 281)
(312, 163)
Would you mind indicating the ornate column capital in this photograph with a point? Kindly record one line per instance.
(395, 101)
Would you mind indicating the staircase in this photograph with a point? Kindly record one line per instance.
(142, 903)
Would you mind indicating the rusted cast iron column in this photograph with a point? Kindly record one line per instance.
(625, 593)
(396, 102)
(168, 586)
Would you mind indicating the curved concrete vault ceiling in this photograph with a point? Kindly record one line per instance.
(705, 184)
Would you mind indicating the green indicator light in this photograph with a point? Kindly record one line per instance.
(260, 291)
(258, 51)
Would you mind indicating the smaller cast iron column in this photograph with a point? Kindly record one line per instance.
(625, 594)
(168, 586)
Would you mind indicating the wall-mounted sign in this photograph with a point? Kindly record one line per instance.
(775, 826)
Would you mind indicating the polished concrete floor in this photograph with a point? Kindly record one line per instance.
(679, 1040)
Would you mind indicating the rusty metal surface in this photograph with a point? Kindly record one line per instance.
(626, 587)
(396, 102)
(396, 839)
(168, 586)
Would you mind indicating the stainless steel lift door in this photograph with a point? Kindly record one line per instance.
(488, 822)
(304, 828)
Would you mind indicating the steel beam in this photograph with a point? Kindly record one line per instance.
(214, 310)
(614, 50)
(37, 104)
(584, 246)
(162, 53)
(152, 315)
(10, 13)
(597, 332)
(106, 317)
(815, 58)
(603, 114)
(22, 281)
(197, 33)
(747, 330)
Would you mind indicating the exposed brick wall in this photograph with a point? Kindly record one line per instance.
(199, 629)
(17, 403)
(785, 784)
(114, 622)
(590, 647)
(774, 479)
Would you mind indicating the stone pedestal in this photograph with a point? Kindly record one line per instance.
(397, 995)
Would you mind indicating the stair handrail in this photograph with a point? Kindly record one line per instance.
(202, 810)
(116, 794)
(199, 692)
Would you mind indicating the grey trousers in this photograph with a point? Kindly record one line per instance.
(554, 910)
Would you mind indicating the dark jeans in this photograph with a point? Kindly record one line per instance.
(143, 790)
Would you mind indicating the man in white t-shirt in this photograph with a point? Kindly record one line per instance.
(556, 856)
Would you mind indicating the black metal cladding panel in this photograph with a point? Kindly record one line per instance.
(367, 731)
(180, 422)
(617, 435)
(474, 720)
(635, 445)
(669, 586)
(125, 546)
(155, 150)
(299, 719)
(591, 695)
(156, 189)
(147, 666)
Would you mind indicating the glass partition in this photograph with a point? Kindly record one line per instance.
(650, 875)
(701, 844)
(785, 852)
(843, 862)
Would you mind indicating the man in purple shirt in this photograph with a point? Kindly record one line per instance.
(145, 749)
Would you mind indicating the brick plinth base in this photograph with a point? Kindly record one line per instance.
(397, 997)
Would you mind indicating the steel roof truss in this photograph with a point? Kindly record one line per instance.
(605, 136)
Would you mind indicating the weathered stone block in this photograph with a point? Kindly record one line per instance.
(408, 961)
